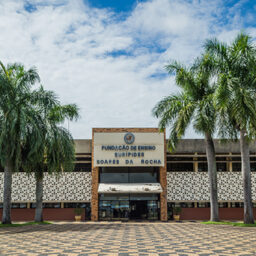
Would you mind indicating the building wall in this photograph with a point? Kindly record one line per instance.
(72, 187)
(193, 186)
(95, 170)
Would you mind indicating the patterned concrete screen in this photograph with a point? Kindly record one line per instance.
(192, 186)
(74, 186)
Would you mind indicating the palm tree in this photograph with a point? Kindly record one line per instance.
(235, 99)
(192, 105)
(17, 118)
(57, 152)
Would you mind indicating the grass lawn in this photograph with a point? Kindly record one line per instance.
(24, 224)
(240, 224)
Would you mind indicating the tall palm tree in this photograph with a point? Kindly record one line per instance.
(57, 152)
(236, 100)
(17, 117)
(192, 105)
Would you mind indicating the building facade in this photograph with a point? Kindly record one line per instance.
(128, 174)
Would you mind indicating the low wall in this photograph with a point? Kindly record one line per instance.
(68, 214)
(204, 213)
(48, 214)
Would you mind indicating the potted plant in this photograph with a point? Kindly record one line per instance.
(78, 213)
(176, 213)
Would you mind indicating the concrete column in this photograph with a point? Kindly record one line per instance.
(94, 199)
(95, 185)
(163, 182)
(195, 163)
(230, 166)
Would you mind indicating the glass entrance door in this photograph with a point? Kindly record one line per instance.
(138, 210)
(124, 207)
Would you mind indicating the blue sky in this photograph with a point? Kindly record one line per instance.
(115, 5)
(108, 56)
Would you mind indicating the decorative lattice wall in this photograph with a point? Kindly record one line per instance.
(75, 186)
(192, 186)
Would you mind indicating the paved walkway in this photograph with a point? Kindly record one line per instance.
(127, 239)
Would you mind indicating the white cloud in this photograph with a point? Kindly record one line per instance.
(70, 43)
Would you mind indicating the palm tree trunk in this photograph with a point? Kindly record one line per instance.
(6, 218)
(39, 199)
(212, 173)
(246, 172)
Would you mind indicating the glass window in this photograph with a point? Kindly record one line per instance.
(142, 175)
(114, 175)
(203, 205)
(128, 175)
(202, 167)
(51, 205)
(187, 205)
(19, 205)
(82, 167)
(237, 204)
(75, 205)
(143, 197)
(180, 167)
(253, 167)
(222, 167)
(223, 205)
(15, 205)
(114, 196)
(236, 167)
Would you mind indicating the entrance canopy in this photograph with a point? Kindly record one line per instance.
(130, 188)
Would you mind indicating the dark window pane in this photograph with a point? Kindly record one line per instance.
(129, 175)
(221, 167)
(51, 205)
(143, 197)
(237, 205)
(253, 167)
(203, 205)
(114, 196)
(83, 158)
(23, 205)
(221, 159)
(180, 159)
(204, 159)
(82, 167)
(187, 205)
(202, 167)
(180, 167)
(15, 205)
(236, 167)
(19, 205)
(142, 175)
(74, 205)
(223, 205)
(33, 205)
(114, 175)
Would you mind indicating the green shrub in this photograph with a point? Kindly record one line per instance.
(78, 211)
(176, 210)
